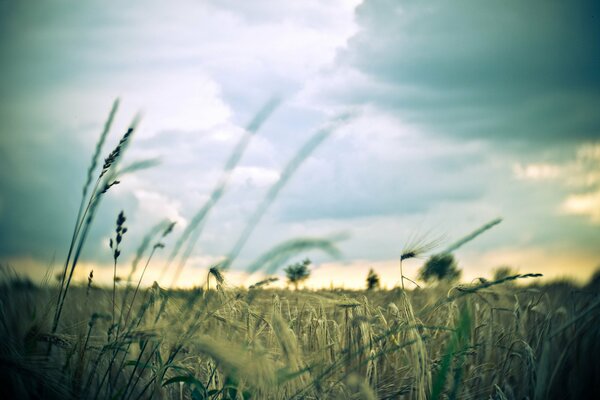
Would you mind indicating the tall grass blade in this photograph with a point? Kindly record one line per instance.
(106, 179)
(461, 242)
(192, 232)
(306, 150)
(280, 254)
(86, 187)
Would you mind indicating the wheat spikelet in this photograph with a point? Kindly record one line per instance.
(256, 370)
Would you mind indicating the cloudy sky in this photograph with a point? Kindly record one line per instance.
(460, 112)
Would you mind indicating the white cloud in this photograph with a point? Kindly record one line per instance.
(157, 206)
(537, 171)
(580, 176)
(586, 204)
(254, 176)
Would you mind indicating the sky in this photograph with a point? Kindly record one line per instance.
(458, 113)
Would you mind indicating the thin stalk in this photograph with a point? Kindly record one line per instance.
(137, 288)
(306, 150)
(110, 364)
(81, 217)
(92, 375)
(150, 382)
(137, 380)
(401, 274)
(114, 291)
(82, 238)
(132, 303)
(137, 361)
(196, 224)
(140, 251)
(80, 213)
(108, 178)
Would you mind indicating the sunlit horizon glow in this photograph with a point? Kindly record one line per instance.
(331, 274)
(461, 116)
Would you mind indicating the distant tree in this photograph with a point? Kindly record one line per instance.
(372, 280)
(298, 272)
(503, 272)
(595, 279)
(440, 267)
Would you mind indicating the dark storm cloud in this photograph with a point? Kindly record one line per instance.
(41, 182)
(503, 69)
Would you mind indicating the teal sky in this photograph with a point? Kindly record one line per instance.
(464, 111)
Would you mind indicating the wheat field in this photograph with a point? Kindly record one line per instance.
(488, 340)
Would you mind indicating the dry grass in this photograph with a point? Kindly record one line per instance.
(496, 342)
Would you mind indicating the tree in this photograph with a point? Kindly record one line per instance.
(440, 267)
(503, 272)
(372, 280)
(298, 272)
(595, 279)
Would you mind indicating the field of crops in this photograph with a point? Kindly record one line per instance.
(491, 339)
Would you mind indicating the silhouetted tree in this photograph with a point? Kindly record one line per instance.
(372, 280)
(440, 267)
(503, 272)
(595, 279)
(298, 272)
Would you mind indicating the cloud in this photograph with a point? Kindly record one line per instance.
(580, 176)
(154, 203)
(380, 166)
(586, 204)
(249, 176)
(536, 171)
(501, 70)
